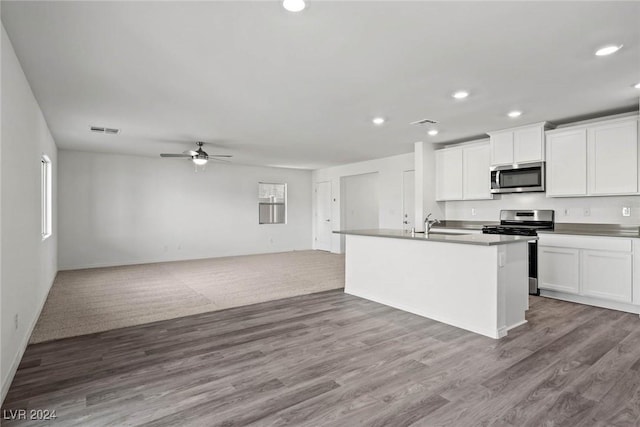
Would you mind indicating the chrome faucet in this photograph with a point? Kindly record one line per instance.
(428, 223)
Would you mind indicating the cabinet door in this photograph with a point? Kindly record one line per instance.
(449, 174)
(476, 174)
(613, 158)
(528, 145)
(567, 163)
(607, 275)
(559, 269)
(502, 148)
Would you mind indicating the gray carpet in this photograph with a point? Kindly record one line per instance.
(99, 299)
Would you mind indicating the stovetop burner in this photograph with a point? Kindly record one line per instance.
(522, 222)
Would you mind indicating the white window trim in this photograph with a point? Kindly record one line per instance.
(286, 203)
(46, 199)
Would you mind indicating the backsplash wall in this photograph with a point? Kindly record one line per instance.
(605, 210)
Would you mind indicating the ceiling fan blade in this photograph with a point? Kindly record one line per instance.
(219, 160)
(220, 155)
(190, 152)
(175, 155)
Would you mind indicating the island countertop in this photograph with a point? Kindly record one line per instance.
(466, 239)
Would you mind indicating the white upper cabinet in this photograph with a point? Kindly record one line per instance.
(476, 161)
(462, 172)
(502, 148)
(597, 159)
(519, 145)
(567, 163)
(528, 144)
(613, 158)
(449, 174)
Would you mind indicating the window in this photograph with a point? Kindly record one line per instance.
(47, 208)
(272, 203)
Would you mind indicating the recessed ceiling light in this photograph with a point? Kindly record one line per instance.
(433, 132)
(637, 86)
(608, 50)
(293, 5)
(514, 114)
(378, 121)
(102, 129)
(461, 94)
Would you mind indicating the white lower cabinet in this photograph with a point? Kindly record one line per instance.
(607, 275)
(590, 268)
(559, 269)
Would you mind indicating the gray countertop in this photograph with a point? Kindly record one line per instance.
(467, 239)
(606, 230)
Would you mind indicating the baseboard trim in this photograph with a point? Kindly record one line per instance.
(6, 382)
(158, 260)
(580, 299)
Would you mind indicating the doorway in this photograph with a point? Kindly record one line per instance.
(323, 216)
(408, 200)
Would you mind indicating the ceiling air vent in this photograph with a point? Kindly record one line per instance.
(423, 122)
(100, 129)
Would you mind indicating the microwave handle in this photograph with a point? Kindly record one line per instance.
(498, 179)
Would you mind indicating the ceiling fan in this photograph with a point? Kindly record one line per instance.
(199, 157)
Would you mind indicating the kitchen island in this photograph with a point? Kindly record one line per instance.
(477, 282)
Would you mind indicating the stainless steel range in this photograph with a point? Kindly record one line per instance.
(525, 223)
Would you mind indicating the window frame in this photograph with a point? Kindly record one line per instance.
(46, 197)
(285, 203)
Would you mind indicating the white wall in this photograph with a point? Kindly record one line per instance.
(120, 209)
(29, 264)
(360, 204)
(425, 185)
(606, 210)
(389, 171)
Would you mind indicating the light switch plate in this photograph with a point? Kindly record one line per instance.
(626, 211)
(473, 212)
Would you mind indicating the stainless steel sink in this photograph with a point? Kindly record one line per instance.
(444, 233)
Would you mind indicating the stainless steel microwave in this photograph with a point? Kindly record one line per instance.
(522, 178)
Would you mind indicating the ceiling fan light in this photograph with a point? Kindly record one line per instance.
(199, 161)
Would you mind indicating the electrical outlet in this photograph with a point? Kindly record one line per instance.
(587, 212)
(473, 212)
(565, 212)
(626, 211)
(15, 321)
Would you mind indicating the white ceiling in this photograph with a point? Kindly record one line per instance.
(300, 90)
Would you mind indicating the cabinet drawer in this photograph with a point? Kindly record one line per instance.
(586, 242)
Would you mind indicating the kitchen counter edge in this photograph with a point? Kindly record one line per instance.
(466, 239)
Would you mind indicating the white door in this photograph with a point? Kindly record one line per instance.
(408, 200)
(323, 216)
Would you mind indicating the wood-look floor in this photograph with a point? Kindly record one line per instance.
(330, 359)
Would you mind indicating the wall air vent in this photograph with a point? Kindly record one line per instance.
(100, 129)
(424, 122)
